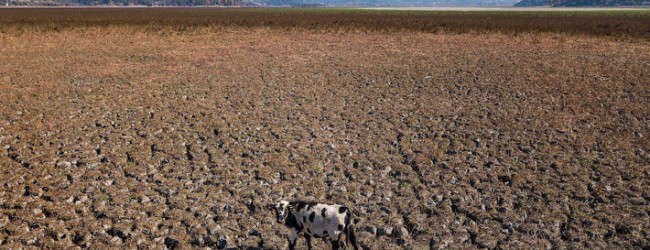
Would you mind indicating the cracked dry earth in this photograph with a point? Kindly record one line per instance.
(129, 139)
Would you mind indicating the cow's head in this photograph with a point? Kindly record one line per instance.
(281, 210)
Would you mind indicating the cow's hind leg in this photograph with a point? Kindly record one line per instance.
(308, 239)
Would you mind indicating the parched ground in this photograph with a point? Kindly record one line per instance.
(113, 137)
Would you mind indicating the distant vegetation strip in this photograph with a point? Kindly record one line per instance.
(623, 24)
(583, 3)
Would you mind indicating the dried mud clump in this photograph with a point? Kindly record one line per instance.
(178, 140)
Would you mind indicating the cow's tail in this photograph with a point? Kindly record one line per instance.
(350, 236)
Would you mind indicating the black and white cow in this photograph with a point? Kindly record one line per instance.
(316, 220)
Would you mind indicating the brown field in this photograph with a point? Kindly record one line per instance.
(140, 128)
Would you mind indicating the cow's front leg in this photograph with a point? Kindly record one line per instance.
(292, 239)
(308, 239)
(335, 244)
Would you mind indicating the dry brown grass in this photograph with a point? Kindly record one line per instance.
(117, 137)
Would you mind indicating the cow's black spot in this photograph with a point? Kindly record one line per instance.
(342, 210)
(304, 219)
(340, 227)
(312, 216)
(305, 203)
(308, 231)
(322, 213)
(300, 206)
(292, 222)
(348, 219)
(317, 234)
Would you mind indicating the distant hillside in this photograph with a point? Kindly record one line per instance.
(418, 3)
(582, 3)
(298, 3)
(128, 2)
